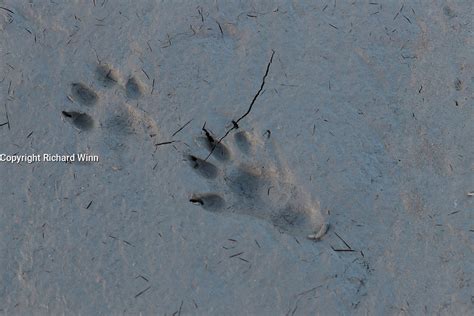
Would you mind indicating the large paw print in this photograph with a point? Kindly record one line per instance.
(252, 181)
(122, 119)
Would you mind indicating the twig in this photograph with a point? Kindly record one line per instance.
(8, 119)
(140, 293)
(235, 123)
(347, 245)
(220, 28)
(142, 277)
(181, 128)
(7, 10)
(147, 75)
(342, 250)
(165, 143)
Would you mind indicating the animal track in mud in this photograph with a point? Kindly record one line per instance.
(123, 120)
(252, 180)
(106, 75)
(83, 93)
(134, 88)
(82, 121)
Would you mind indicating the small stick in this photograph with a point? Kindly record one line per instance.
(165, 143)
(220, 28)
(6, 114)
(7, 10)
(146, 74)
(346, 250)
(237, 254)
(181, 128)
(347, 245)
(126, 242)
(141, 276)
(140, 293)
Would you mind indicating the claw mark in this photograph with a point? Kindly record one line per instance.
(209, 201)
(82, 121)
(202, 167)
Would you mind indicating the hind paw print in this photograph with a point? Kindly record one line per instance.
(246, 177)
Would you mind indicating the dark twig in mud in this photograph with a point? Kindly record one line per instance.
(141, 292)
(342, 250)
(259, 90)
(152, 86)
(178, 312)
(347, 245)
(89, 205)
(8, 10)
(199, 9)
(142, 277)
(147, 75)
(237, 254)
(128, 243)
(220, 28)
(182, 127)
(399, 11)
(235, 123)
(8, 119)
(165, 143)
